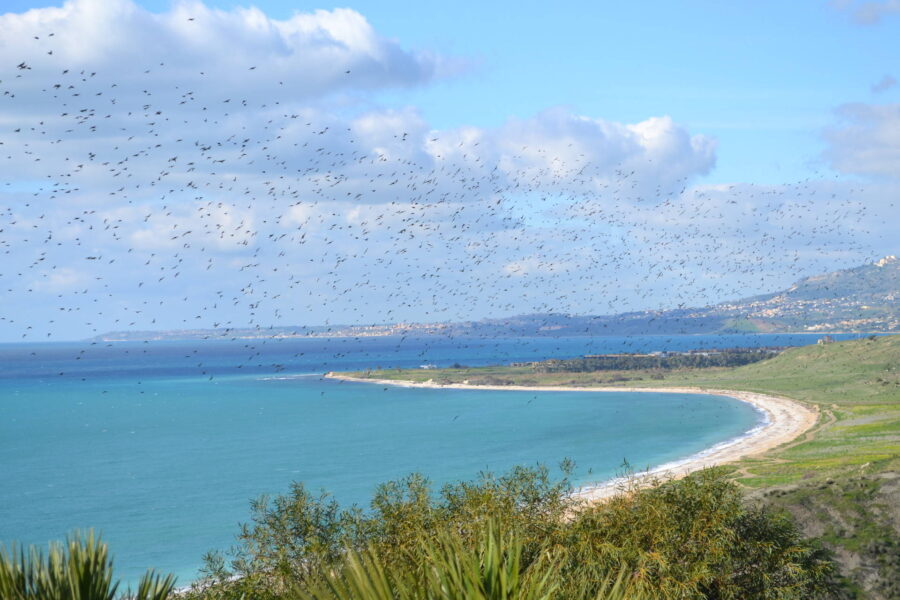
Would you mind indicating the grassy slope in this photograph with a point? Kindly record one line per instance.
(856, 384)
(841, 481)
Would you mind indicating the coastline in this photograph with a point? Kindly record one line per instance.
(783, 421)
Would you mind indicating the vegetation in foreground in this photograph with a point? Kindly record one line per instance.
(80, 569)
(840, 481)
(519, 537)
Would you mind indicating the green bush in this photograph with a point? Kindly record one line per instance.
(452, 569)
(80, 569)
(687, 539)
(694, 538)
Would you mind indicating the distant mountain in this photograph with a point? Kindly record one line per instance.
(864, 299)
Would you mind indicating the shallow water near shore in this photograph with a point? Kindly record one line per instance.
(160, 446)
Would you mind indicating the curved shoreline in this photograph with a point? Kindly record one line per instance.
(784, 420)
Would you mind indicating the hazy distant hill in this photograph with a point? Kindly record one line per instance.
(865, 298)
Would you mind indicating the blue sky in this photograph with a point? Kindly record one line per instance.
(761, 124)
(764, 78)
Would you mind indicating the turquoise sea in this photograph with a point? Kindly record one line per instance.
(161, 445)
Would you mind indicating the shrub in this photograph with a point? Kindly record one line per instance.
(694, 538)
(687, 539)
(80, 569)
(490, 569)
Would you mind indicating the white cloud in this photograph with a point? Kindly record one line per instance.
(867, 142)
(206, 198)
(640, 158)
(61, 280)
(240, 50)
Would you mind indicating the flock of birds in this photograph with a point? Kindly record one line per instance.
(143, 205)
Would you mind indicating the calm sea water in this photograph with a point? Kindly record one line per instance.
(161, 445)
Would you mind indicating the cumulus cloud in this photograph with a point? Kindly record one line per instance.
(867, 142)
(195, 99)
(147, 195)
(655, 154)
(191, 45)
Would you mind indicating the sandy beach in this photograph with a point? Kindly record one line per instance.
(783, 421)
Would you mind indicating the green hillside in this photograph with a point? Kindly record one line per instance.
(864, 282)
(841, 481)
(855, 384)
